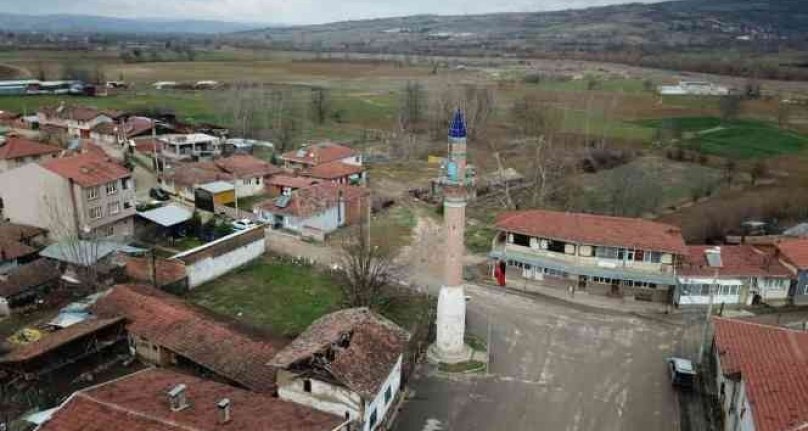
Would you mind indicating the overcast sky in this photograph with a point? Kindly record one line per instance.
(287, 11)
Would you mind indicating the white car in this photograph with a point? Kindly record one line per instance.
(243, 224)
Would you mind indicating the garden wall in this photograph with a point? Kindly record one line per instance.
(216, 258)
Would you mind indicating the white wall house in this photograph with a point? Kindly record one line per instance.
(318, 368)
(693, 88)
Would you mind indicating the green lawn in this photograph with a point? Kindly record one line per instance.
(741, 139)
(273, 294)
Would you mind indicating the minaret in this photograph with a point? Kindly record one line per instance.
(451, 320)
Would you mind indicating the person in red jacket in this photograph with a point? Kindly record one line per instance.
(499, 272)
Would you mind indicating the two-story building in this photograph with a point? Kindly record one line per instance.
(613, 255)
(347, 363)
(327, 161)
(75, 120)
(16, 151)
(246, 173)
(188, 147)
(85, 195)
(733, 275)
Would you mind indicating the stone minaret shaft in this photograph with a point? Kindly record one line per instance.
(451, 319)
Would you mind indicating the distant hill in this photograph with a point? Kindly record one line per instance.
(624, 33)
(86, 24)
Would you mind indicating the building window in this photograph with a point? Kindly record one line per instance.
(246, 182)
(388, 395)
(373, 419)
(112, 187)
(125, 184)
(522, 240)
(114, 208)
(92, 193)
(307, 385)
(95, 213)
(606, 252)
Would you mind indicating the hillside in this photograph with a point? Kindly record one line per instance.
(86, 24)
(625, 33)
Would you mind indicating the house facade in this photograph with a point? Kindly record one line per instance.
(793, 254)
(347, 363)
(16, 151)
(77, 121)
(78, 196)
(189, 147)
(621, 256)
(733, 275)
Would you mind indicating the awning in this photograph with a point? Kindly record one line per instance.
(167, 216)
(588, 270)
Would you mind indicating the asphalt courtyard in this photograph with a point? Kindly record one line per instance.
(553, 367)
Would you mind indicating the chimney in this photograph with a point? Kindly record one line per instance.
(224, 410)
(178, 398)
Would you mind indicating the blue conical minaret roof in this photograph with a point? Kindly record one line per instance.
(458, 127)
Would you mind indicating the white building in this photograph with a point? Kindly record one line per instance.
(189, 147)
(347, 363)
(693, 88)
(734, 275)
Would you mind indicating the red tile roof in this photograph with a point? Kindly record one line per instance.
(29, 276)
(16, 147)
(196, 173)
(138, 402)
(19, 232)
(373, 347)
(333, 170)
(10, 249)
(87, 169)
(75, 112)
(291, 181)
(773, 363)
(106, 129)
(167, 271)
(315, 199)
(58, 338)
(594, 229)
(194, 333)
(146, 145)
(795, 251)
(737, 261)
(319, 153)
(245, 166)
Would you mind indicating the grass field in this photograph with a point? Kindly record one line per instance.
(273, 294)
(742, 139)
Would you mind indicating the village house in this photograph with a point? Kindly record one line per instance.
(761, 374)
(793, 254)
(734, 275)
(347, 363)
(316, 210)
(75, 121)
(615, 255)
(284, 185)
(26, 283)
(327, 161)
(80, 195)
(188, 147)
(166, 331)
(19, 244)
(250, 173)
(156, 399)
(184, 178)
(16, 151)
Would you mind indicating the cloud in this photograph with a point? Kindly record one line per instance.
(287, 11)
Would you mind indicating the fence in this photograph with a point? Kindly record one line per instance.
(221, 256)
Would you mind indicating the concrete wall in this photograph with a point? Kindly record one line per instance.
(380, 404)
(216, 258)
(325, 397)
(122, 197)
(254, 187)
(44, 200)
(738, 414)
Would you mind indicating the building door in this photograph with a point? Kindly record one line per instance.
(582, 280)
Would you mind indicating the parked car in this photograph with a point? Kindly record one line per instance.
(682, 372)
(159, 194)
(243, 224)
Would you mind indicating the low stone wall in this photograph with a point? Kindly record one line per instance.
(216, 258)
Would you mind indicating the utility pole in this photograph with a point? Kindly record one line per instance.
(706, 331)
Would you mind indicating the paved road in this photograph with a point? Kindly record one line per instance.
(553, 368)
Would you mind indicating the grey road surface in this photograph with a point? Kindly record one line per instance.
(553, 368)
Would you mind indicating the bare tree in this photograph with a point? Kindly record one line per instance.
(730, 107)
(478, 102)
(412, 106)
(759, 170)
(364, 271)
(320, 104)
